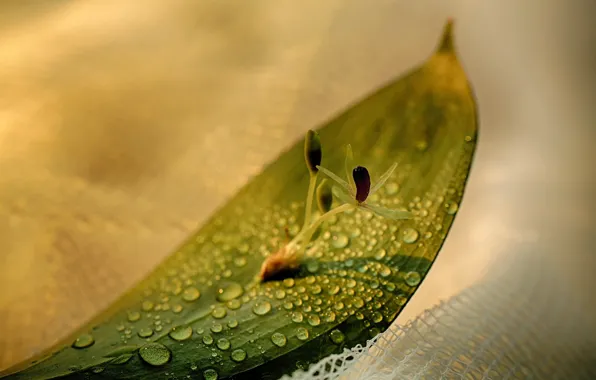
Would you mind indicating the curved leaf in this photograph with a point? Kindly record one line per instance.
(202, 314)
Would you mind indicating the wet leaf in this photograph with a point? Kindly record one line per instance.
(201, 312)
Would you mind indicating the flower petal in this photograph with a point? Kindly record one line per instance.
(388, 213)
(334, 177)
(383, 179)
(348, 168)
(342, 195)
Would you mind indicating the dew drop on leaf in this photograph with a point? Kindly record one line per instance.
(145, 332)
(191, 294)
(229, 291)
(84, 341)
(223, 344)
(279, 339)
(410, 235)
(451, 208)
(133, 316)
(336, 336)
(219, 312)
(208, 339)
(261, 308)
(210, 374)
(155, 354)
(297, 317)
(302, 333)
(238, 355)
(340, 241)
(412, 278)
(181, 333)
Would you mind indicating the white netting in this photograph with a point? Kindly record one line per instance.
(513, 325)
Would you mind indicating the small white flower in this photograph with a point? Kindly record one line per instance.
(358, 188)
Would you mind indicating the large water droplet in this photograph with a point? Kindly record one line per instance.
(314, 320)
(233, 323)
(223, 344)
(219, 313)
(234, 304)
(207, 339)
(84, 341)
(134, 316)
(280, 294)
(357, 302)
(238, 355)
(377, 317)
(147, 306)
(261, 308)
(412, 278)
(337, 336)
(217, 328)
(229, 292)
(385, 271)
(181, 333)
(191, 294)
(288, 282)
(380, 254)
(302, 333)
(451, 208)
(155, 354)
(340, 241)
(279, 339)
(410, 235)
(145, 332)
(210, 374)
(297, 317)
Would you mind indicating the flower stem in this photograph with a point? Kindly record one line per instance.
(306, 234)
(309, 198)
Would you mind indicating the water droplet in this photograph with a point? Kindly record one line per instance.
(340, 241)
(279, 339)
(181, 333)
(288, 282)
(337, 336)
(232, 323)
(451, 208)
(357, 302)
(410, 235)
(315, 289)
(385, 271)
(147, 306)
(229, 291)
(84, 341)
(288, 305)
(210, 374)
(191, 294)
(240, 261)
(401, 300)
(314, 320)
(280, 294)
(134, 316)
(329, 316)
(302, 333)
(145, 332)
(155, 354)
(377, 317)
(312, 266)
(339, 305)
(177, 308)
(207, 339)
(219, 313)
(333, 290)
(412, 278)
(234, 304)
(261, 308)
(238, 355)
(216, 328)
(297, 317)
(380, 254)
(223, 344)
(351, 283)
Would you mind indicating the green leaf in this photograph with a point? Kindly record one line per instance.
(202, 314)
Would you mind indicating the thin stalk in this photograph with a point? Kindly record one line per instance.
(306, 234)
(309, 198)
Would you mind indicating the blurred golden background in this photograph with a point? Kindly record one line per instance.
(124, 124)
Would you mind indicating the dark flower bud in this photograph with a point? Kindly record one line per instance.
(324, 197)
(312, 151)
(362, 181)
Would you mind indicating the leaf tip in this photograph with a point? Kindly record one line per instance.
(446, 44)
